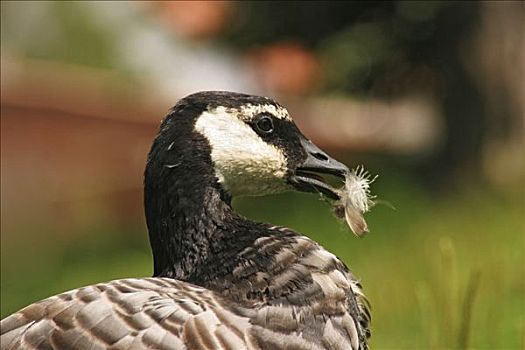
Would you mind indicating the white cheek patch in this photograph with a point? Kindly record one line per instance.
(244, 163)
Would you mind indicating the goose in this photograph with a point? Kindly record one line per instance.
(221, 281)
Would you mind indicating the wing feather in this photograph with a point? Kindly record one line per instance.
(128, 314)
(305, 298)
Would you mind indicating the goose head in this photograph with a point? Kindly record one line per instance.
(254, 146)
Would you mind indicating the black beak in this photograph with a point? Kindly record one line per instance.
(307, 178)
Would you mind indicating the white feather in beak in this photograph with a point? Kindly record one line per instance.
(355, 200)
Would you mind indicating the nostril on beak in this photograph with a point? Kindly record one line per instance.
(320, 156)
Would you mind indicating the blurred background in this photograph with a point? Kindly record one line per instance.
(428, 95)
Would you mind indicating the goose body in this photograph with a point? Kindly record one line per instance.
(221, 281)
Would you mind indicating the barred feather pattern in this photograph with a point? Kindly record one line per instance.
(304, 298)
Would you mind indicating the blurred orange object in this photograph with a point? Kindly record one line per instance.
(286, 67)
(195, 19)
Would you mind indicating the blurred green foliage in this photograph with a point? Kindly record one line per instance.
(67, 34)
(415, 264)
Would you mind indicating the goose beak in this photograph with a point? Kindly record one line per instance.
(307, 176)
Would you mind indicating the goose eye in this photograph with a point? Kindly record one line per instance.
(265, 124)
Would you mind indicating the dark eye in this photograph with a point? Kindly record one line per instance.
(265, 124)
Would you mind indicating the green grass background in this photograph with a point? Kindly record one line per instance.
(417, 264)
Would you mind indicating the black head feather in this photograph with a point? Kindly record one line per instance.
(211, 99)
